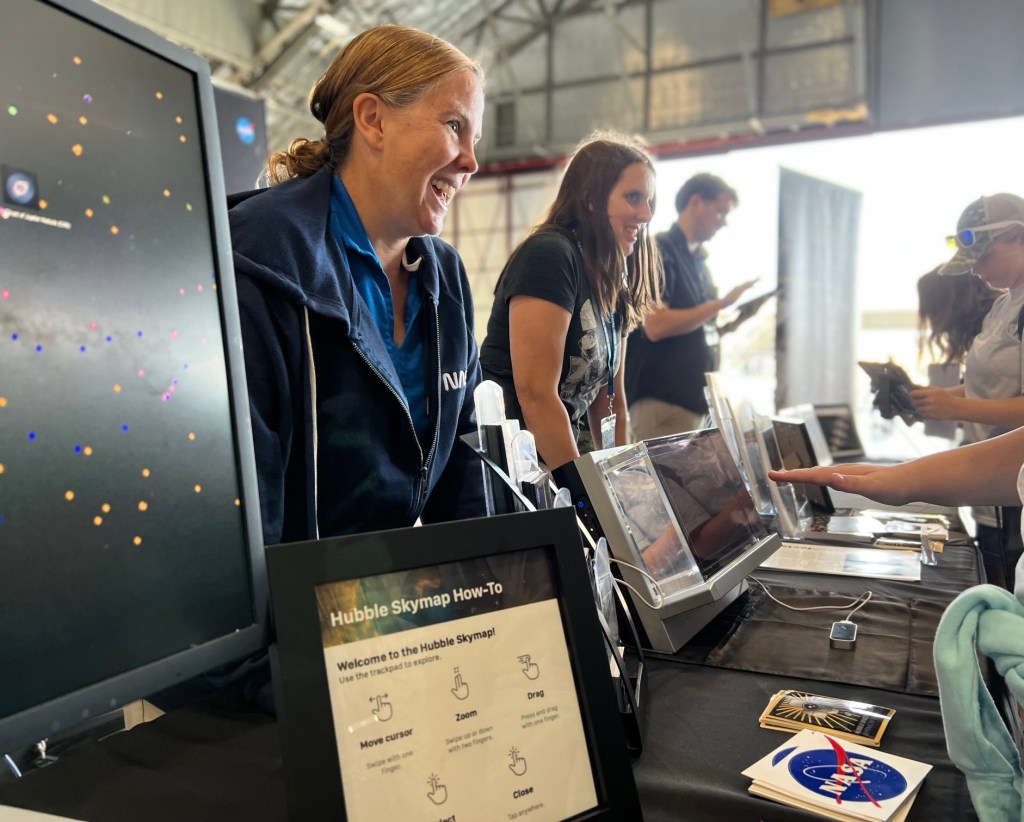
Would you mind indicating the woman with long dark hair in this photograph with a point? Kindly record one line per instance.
(950, 312)
(569, 295)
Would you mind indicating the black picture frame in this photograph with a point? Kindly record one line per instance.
(297, 570)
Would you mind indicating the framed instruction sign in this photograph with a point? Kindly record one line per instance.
(447, 672)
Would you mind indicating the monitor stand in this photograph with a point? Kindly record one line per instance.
(47, 751)
(678, 629)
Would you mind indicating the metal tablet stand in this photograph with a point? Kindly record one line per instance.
(631, 685)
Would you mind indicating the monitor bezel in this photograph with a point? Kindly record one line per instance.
(295, 570)
(61, 714)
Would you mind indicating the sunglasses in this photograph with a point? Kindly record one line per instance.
(970, 236)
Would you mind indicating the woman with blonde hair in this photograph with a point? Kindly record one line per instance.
(569, 295)
(357, 320)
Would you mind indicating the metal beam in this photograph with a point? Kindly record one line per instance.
(297, 30)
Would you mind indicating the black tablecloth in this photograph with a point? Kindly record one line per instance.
(895, 628)
(704, 700)
(220, 759)
(702, 732)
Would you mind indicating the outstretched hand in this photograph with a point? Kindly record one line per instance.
(877, 482)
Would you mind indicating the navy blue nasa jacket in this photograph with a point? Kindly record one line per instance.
(336, 451)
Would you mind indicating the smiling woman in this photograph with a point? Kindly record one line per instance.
(569, 295)
(356, 321)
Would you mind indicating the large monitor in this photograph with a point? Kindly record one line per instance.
(681, 525)
(129, 523)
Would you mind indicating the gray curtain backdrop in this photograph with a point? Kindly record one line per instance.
(814, 339)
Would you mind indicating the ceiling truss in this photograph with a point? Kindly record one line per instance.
(279, 48)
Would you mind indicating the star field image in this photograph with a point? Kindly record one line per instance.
(117, 450)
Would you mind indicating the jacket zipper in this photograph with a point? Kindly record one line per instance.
(421, 490)
(437, 382)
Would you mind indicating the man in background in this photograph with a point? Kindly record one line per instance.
(667, 357)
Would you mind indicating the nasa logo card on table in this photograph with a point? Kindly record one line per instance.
(841, 779)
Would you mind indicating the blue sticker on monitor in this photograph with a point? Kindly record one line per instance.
(245, 130)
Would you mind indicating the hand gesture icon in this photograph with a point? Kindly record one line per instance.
(531, 670)
(383, 711)
(461, 689)
(438, 792)
(518, 766)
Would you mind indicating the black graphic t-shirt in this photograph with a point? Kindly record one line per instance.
(549, 266)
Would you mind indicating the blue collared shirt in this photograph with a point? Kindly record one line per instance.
(372, 284)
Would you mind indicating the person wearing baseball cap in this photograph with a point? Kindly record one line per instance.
(989, 243)
(988, 233)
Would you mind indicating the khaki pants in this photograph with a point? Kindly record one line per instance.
(654, 418)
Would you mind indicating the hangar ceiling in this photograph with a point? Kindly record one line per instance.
(683, 73)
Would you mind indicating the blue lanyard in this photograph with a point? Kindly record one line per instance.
(611, 358)
(607, 341)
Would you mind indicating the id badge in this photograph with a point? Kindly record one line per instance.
(608, 431)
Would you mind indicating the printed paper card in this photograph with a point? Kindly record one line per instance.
(840, 779)
(854, 721)
(455, 700)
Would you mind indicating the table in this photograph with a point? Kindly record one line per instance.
(702, 727)
(220, 759)
(706, 733)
